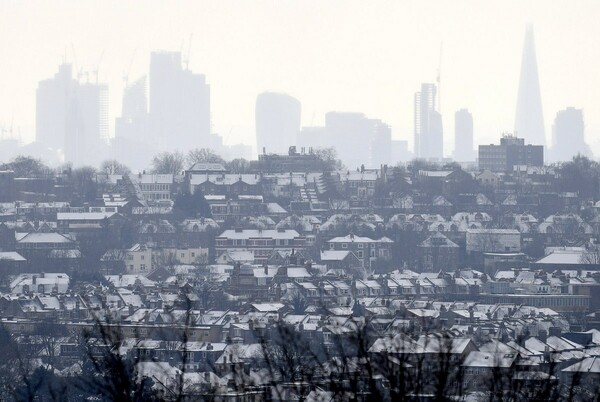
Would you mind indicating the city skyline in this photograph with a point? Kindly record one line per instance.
(382, 74)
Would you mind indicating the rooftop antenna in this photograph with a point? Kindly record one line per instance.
(186, 60)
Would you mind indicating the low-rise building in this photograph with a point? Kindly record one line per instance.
(367, 250)
(262, 243)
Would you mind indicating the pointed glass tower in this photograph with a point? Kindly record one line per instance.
(529, 119)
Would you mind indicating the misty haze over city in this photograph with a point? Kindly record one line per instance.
(248, 201)
(338, 56)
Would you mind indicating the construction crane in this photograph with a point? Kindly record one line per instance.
(126, 73)
(75, 64)
(98, 65)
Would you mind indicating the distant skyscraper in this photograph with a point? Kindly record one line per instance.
(311, 137)
(400, 152)
(463, 136)
(54, 100)
(179, 104)
(429, 134)
(353, 135)
(568, 135)
(277, 122)
(72, 116)
(132, 128)
(381, 144)
(529, 120)
(134, 112)
(89, 125)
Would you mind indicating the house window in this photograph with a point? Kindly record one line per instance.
(331, 246)
(193, 254)
(142, 257)
(142, 267)
(360, 245)
(360, 254)
(344, 245)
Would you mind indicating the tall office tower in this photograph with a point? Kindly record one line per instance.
(351, 135)
(277, 122)
(87, 124)
(400, 152)
(463, 136)
(72, 116)
(529, 119)
(134, 113)
(429, 134)
(54, 99)
(179, 112)
(381, 144)
(311, 137)
(568, 135)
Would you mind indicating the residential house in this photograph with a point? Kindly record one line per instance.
(262, 243)
(367, 250)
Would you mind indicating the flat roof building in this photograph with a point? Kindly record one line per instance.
(511, 152)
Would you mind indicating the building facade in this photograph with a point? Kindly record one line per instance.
(262, 243)
(511, 152)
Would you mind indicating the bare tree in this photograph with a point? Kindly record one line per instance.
(113, 166)
(203, 155)
(168, 163)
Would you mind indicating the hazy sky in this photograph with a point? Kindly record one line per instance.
(367, 56)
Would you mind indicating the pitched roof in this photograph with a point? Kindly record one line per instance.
(334, 255)
(36, 237)
(289, 234)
